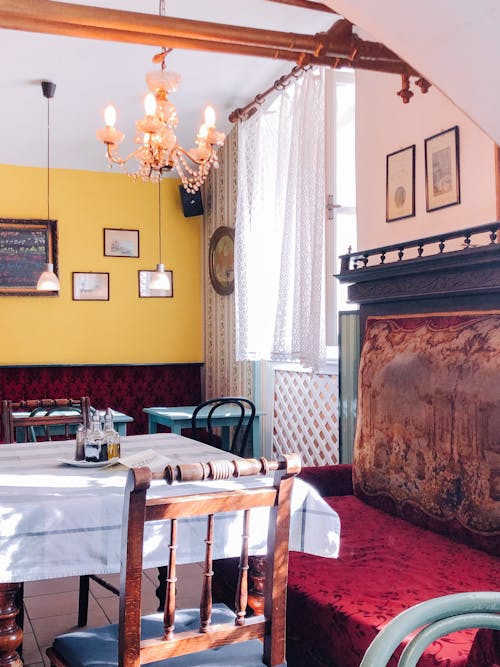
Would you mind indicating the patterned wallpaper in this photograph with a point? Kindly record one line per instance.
(224, 376)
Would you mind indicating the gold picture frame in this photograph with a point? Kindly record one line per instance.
(221, 260)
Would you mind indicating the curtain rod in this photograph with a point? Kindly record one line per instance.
(246, 112)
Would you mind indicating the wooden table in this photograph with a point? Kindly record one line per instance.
(179, 418)
(57, 520)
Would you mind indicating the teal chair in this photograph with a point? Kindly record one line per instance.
(436, 618)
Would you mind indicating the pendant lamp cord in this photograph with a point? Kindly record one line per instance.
(159, 216)
(48, 158)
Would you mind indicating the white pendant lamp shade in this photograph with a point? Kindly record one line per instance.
(48, 281)
(160, 279)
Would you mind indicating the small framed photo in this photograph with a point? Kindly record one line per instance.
(400, 184)
(442, 170)
(121, 242)
(90, 286)
(146, 292)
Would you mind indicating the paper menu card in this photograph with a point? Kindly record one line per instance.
(147, 457)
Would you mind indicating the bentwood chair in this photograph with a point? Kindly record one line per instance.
(212, 634)
(205, 417)
(433, 619)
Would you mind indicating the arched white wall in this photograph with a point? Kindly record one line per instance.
(383, 125)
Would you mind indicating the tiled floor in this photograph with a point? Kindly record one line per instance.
(51, 607)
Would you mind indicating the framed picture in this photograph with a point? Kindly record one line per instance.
(146, 291)
(121, 242)
(90, 286)
(442, 170)
(221, 260)
(400, 184)
(25, 246)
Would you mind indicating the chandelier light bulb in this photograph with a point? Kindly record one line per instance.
(210, 117)
(150, 104)
(203, 132)
(110, 116)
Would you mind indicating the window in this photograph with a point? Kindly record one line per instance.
(341, 194)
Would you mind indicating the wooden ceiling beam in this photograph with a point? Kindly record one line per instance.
(338, 47)
(160, 28)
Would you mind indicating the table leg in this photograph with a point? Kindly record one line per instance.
(256, 439)
(11, 635)
(152, 424)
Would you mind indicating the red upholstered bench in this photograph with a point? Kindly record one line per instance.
(127, 388)
(386, 564)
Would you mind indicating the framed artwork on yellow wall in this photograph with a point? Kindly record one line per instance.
(146, 292)
(26, 245)
(90, 286)
(121, 242)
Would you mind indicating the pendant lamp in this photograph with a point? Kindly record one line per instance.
(159, 279)
(48, 281)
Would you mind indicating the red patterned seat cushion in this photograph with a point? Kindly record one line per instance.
(336, 606)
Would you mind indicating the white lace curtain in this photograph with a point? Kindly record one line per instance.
(280, 219)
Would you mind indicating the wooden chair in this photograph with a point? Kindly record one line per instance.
(433, 619)
(245, 408)
(47, 414)
(212, 634)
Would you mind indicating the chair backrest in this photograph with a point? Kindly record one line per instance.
(204, 417)
(23, 420)
(139, 510)
(435, 618)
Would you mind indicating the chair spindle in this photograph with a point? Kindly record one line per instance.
(206, 591)
(242, 586)
(169, 614)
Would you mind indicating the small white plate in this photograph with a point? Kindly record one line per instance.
(88, 464)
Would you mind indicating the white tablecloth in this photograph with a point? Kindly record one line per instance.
(57, 520)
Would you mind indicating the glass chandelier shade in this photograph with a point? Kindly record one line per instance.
(158, 151)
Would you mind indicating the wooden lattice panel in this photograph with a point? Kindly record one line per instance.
(306, 416)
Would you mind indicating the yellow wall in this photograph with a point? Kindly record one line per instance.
(125, 329)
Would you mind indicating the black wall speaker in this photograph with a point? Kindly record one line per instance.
(191, 203)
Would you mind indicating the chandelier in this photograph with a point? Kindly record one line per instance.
(158, 151)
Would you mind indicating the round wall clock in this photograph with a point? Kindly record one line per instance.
(221, 260)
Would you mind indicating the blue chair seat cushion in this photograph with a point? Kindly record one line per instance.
(99, 647)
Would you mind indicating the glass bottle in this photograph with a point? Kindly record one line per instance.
(80, 443)
(111, 436)
(95, 444)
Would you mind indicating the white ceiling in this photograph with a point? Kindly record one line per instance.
(453, 43)
(90, 74)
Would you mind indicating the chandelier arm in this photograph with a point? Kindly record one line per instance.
(115, 158)
(200, 162)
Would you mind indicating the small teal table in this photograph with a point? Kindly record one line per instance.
(120, 421)
(225, 417)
